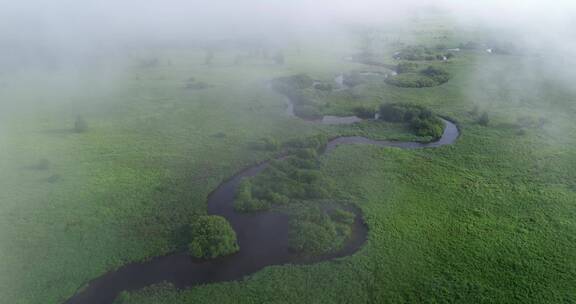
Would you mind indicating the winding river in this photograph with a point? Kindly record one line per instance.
(263, 237)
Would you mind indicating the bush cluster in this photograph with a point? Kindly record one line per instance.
(422, 121)
(212, 236)
(295, 177)
(422, 53)
(314, 231)
(365, 112)
(428, 77)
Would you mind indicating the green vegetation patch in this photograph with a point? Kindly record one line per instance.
(212, 237)
(315, 230)
(422, 53)
(420, 119)
(295, 177)
(409, 77)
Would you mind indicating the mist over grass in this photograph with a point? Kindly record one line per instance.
(164, 127)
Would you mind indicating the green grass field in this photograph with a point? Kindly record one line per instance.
(491, 219)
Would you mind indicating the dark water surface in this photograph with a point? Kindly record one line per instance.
(263, 237)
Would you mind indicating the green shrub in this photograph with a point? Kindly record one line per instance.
(365, 112)
(406, 67)
(212, 236)
(343, 216)
(278, 199)
(312, 238)
(421, 120)
(484, 120)
(245, 202)
(428, 77)
(432, 127)
(252, 205)
(313, 232)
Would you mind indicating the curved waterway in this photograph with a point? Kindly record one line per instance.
(263, 237)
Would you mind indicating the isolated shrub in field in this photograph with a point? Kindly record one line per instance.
(484, 120)
(212, 236)
(365, 112)
(80, 125)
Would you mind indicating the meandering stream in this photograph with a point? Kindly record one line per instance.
(263, 237)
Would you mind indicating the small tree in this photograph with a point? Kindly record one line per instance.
(212, 236)
(484, 120)
(80, 125)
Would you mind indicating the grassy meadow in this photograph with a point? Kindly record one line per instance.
(490, 219)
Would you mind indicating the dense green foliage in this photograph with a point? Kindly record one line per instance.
(314, 231)
(420, 119)
(484, 119)
(487, 220)
(212, 236)
(406, 67)
(409, 78)
(421, 53)
(246, 202)
(293, 178)
(365, 112)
